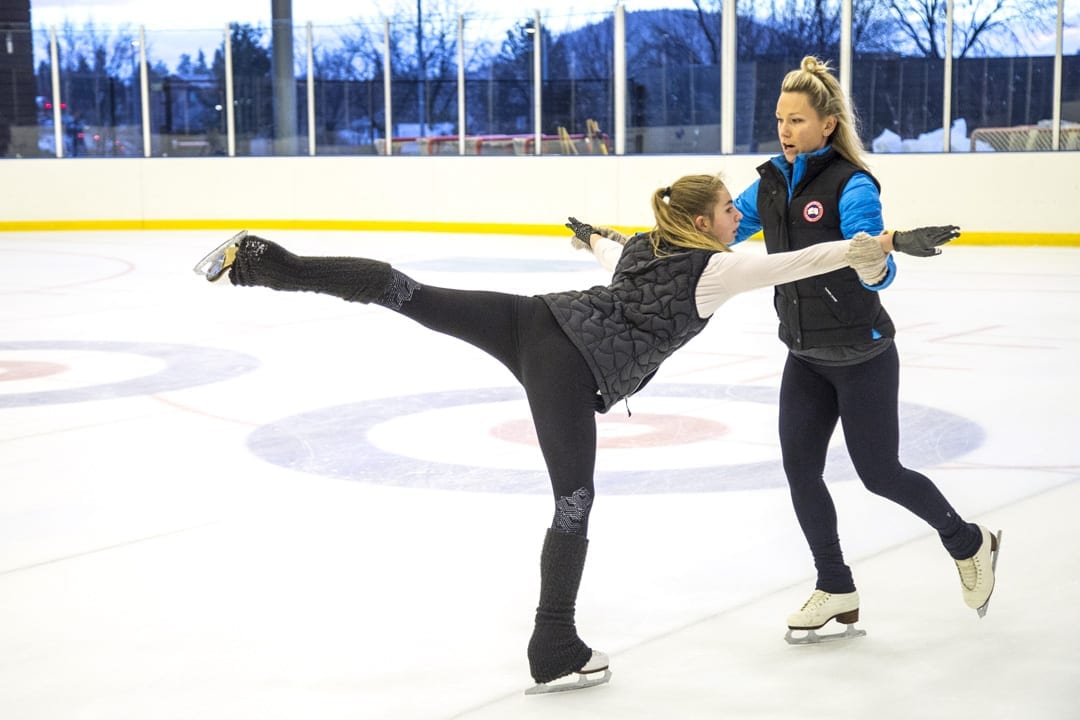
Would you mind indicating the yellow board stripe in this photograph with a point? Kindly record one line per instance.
(463, 228)
(271, 224)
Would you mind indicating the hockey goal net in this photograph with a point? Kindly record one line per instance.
(1024, 138)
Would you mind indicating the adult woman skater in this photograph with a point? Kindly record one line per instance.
(842, 362)
(575, 353)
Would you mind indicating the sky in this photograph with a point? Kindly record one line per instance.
(214, 14)
(201, 14)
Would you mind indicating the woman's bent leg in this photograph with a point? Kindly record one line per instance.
(869, 411)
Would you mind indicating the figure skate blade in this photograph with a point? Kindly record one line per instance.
(813, 638)
(564, 684)
(993, 566)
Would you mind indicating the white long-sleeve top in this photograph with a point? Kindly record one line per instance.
(730, 273)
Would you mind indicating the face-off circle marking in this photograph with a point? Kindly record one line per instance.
(646, 430)
(172, 367)
(11, 370)
(342, 442)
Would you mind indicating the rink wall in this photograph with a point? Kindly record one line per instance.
(997, 198)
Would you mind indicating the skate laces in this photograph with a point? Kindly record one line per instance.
(969, 572)
(817, 599)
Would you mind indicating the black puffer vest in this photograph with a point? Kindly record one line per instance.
(649, 311)
(825, 310)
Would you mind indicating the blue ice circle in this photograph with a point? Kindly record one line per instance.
(332, 442)
(185, 366)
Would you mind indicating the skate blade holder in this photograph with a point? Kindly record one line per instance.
(566, 683)
(210, 265)
(813, 638)
(995, 548)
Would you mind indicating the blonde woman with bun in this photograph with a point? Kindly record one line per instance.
(842, 362)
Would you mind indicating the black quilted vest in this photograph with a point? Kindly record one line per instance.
(626, 329)
(825, 310)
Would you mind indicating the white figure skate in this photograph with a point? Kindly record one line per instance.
(818, 611)
(977, 572)
(594, 672)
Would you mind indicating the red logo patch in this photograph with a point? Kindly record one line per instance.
(813, 211)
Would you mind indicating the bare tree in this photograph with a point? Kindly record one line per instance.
(810, 24)
(423, 53)
(790, 28)
(980, 27)
(797, 27)
(358, 57)
(674, 37)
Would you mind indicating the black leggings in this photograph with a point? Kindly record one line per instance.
(864, 398)
(523, 335)
(518, 331)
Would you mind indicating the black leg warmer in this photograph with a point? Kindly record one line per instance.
(555, 648)
(266, 264)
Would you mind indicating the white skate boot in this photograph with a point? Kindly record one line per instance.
(217, 262)
(977, 572)
(819, 610)
(594, 672)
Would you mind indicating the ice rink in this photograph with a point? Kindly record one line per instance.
(220, 502)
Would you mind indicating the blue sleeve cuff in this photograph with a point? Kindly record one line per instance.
(890, 275)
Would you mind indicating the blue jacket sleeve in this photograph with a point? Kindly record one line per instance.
(746, 204)
(860, 211)
(860, 207)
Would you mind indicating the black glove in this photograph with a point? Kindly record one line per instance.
(582, 233)
(924, 241)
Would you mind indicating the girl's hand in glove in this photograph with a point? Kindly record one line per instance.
(582, 233)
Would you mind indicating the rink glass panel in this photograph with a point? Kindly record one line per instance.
(673, 81)
(1004, 91)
